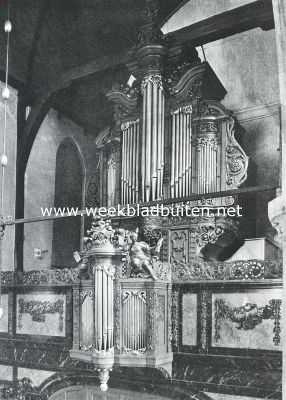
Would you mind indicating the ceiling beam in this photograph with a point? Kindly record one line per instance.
(256, 14)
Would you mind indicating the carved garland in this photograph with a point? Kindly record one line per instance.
(38, 310)
(248, 316)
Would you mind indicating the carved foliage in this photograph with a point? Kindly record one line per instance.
(236, 270)
(236, 159)
(208, 234)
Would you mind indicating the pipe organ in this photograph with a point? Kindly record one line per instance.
(184, 112)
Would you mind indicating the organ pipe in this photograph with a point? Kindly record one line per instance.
(130, 159)
(103, 308)
(152, 164)
(134, 321)
(181, 152)
(206, 155)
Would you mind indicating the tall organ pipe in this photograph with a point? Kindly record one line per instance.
(130, 159)
(152, 137)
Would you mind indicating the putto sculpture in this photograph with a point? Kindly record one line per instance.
(142, 256)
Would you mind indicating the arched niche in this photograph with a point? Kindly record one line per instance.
(69, 183)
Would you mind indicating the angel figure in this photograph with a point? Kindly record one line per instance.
(142, 256)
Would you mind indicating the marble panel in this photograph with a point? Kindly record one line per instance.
(41, 314)
(249, 320)
(4, 319)
(189, 319)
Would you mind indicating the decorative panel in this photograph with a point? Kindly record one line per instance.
(189, 319)
(4, 319)
(247, 320)
(179, 246)
(41, 314)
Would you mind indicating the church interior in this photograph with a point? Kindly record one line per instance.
(108, 103)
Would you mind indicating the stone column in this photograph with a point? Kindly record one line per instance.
(277, 207)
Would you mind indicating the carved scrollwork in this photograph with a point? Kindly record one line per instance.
(125, 103)
(208, 234)
(140, 294)
(84, 294)
(56, 276)
(236, 159)
(236, 270)
(189, 85)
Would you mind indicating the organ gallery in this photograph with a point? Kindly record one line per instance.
(128, 107)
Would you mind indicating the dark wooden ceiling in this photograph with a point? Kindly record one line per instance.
(52, 39)
(76, 48)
